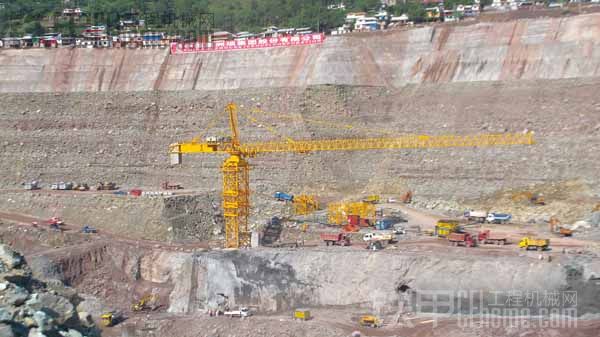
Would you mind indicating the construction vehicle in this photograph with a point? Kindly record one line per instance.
(537, 199)
(147, 302)
(280, 196)
(372, 199)
(488, 237)
(169, 186)
(389, 237)
(61, 186)
(444, 227)
(88, 230)
(462, 239)
(106, 186)
(369, 321)
(354, 213)
(111, 318)
(498, 218)
(339, 239)
(477, 216)
(556, 228)
(302, 314)
(305, 204)
(236, 187)
(31, 185)
(55, 223)
(407, 197)
(536, 244)
(81, 187)
(241, 312)
(530, 197)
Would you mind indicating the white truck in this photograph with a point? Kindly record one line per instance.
(478, 216)
(389, 237)
(242, 312)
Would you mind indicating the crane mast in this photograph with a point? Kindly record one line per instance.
(235, 169)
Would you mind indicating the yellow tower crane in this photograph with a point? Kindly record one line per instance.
(236, 187)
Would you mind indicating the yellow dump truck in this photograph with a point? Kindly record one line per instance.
(373, 199)
(536, 244)
(369, 320)
(302, 314)
(444, 227)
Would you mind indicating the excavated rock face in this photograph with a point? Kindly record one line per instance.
(29, 308)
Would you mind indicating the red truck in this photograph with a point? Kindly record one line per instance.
(462, 239)
(340, 239)
(491, 238)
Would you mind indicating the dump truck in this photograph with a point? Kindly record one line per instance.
(111, 318)
(339, 239)
(462, 239)
(87, 229)
(61, 186)
(498, 218)
(31, 185)
(369, 320)
(106, 186)
(81, 187)
(488, 237)
(389, 237)
(532, 243)
(280, 196)
(373, 199)
(170, 186)
(478, 216)
(241, 312)
(302, 314)
(444, 227)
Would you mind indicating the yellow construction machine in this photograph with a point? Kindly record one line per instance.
(444, 227)
(370, 321)
(111, 318)
(147, 302)
(536, 244)
(235, 169)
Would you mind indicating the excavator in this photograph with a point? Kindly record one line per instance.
(236, 169)
(147, 302)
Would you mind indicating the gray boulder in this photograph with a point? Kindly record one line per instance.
(9, 257)
(5, 315)
(71, 333)
(58, 308)
(595, 219)
(13, 295)
(43, 321)
(6, 330)
(36, 333)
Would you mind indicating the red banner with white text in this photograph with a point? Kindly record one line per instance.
(267, 42)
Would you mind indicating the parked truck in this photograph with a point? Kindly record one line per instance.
(31, 185)
(241, 312)
(339, 239)
(536, 244)
(488, 237)
(478, 216)
(373, 199)
(280, 196)
(462, 239)
(389, 237)
(498, 218)
(443, 228)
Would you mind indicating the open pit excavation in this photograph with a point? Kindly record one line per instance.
(433, 180)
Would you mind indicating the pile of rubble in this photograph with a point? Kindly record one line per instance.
(32, 308)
